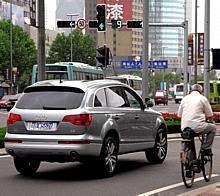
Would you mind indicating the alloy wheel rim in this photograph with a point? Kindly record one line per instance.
(111, 157)
(161, 145)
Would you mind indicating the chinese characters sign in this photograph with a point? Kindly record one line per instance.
(117, 9)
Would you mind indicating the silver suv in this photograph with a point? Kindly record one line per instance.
(64, 121)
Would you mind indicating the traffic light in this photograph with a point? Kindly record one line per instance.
(104, 56)
(101, 25)
(215, 58)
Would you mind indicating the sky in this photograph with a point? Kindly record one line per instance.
(214, 21)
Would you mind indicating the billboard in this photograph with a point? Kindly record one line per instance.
(117, 10)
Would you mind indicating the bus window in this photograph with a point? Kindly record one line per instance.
(56, 76)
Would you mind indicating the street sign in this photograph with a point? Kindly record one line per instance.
(81, 23)
(159, 64)
(93, 24)
(134, 24)
(116, 24)
(65, 24)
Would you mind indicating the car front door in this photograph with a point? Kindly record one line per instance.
(143, 118)
(120, 112)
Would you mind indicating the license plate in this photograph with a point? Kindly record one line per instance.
(41, 126)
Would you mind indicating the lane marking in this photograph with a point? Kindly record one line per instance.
(172, 186)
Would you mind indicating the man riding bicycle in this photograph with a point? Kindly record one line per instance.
(196, 113)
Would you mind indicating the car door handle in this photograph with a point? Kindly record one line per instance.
(116, 117)
(136, 117)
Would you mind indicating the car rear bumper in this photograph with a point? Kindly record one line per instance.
(52, 148)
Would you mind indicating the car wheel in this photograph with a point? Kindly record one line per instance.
(109, 156)
(158, 153)
(26, 167)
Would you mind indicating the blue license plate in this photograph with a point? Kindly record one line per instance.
(42, 126)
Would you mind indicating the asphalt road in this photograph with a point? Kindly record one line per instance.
(134, 177)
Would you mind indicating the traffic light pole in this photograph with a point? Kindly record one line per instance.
(41, 41)
(207, 50)
(145, 88)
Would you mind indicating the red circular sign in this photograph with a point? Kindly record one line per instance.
(81, 23)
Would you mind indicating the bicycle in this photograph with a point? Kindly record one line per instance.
(190, 163)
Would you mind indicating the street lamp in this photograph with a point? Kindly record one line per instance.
(71, 39)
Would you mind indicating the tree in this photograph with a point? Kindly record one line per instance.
(23, 52)
(83, 49)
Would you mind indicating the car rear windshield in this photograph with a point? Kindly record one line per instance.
(51, 98)
(159, 94)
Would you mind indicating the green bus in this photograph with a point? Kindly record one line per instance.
(68, 71)
(214, 90)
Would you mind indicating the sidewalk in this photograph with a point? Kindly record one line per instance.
(210, 190)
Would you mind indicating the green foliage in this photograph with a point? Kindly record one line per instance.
(24, 52)
(2, 133)
(2, 136)
(83, 49)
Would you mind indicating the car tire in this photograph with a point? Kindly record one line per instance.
(158, 153)
(26, 167)
(109, 156)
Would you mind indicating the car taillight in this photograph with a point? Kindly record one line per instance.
(12, 118)
(79, 119)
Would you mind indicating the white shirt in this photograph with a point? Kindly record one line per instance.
(193, 111)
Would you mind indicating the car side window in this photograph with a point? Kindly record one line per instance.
(100, 99)
(115, 97)
(133, 102)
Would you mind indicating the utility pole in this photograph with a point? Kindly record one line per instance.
(41, 40)
(185, 68)
(145, 50)
(207, 49)
(11, 48)
(196, 45)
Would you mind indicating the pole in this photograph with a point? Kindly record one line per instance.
(71, 40)
(145, 50)
(71, 37)
(41, 40)
(206, 49)
(185, 68)
(11, 48)
(196, 45)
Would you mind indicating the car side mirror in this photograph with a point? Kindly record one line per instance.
(148, 102)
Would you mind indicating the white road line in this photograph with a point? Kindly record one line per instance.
(4, 156)
(172, 186)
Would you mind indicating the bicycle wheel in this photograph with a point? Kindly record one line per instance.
(206, 167)
(187, 174)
